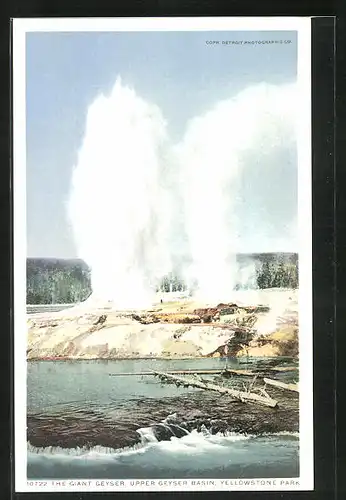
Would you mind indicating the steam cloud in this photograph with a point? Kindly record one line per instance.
(118, 206)
(141, 206)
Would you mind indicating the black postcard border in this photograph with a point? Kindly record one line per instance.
(324, 250)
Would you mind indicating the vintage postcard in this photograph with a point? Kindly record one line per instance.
(162, 254)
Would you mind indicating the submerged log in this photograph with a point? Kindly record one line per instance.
(241, 395)
(223, 372)
(281, 385)
(242, 373)
(283, 368)
(210, 371)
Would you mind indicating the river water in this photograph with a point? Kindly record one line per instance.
(84, 423)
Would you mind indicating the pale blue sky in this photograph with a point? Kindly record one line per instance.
(177, 71)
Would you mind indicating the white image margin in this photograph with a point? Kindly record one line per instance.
(303, 27)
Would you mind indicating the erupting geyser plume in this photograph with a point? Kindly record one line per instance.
(119, 210)
(221, 150)
(134, 194)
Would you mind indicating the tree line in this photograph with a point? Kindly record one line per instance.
(61, 281)
(57, 281)
(277, 275)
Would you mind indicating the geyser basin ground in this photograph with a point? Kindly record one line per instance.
(168, 330)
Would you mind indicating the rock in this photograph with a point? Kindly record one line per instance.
(256, 309)
(146, 319)
(207, 318)
(183, 318)
(228, 310)
(101, 319)
(227, 318)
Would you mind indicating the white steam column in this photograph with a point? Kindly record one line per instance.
(118, 209)
(218, 148)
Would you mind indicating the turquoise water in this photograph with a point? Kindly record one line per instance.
(84, 399)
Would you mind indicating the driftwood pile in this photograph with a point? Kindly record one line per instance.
(250, 393)
(243, 396)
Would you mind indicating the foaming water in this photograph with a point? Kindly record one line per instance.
(198, 454)
(141, 206)
(198, 442)
(194, 440)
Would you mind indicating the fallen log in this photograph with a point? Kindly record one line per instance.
(283, 368)
(208, 371)
(241, 395)
(243, 373)
(281, 385)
